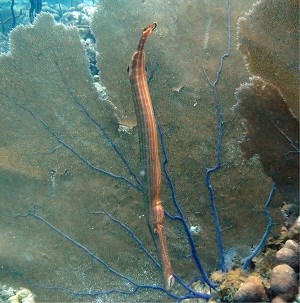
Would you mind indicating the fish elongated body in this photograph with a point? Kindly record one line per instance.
(149, 153)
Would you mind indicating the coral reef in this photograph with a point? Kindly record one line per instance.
(53, 82)
(11, 295)
(269, 106)
(252, 290)
(270, 279)
(284, 282)
(178, 61)
(61, 166)
(272, 133)
(268, 38)
(78, 15)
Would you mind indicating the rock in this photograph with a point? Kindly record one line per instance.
(250, 291)
(287, 256)
(284, 282)
(295, 229)
(56, 17)
(60, 8)
(76, 18)
(291, 244)
(50, 10)
(80, 7)
(278, 299)
(10, 295)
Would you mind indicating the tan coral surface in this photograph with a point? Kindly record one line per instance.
(41, 81)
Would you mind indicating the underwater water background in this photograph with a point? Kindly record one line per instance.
(56, 202)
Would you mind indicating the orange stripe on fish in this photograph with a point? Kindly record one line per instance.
(149, 153)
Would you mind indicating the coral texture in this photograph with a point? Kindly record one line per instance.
(272, 133)
(53, 187)
(268, 38)
(284, 282)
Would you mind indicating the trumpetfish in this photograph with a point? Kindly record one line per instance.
(149, 154)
